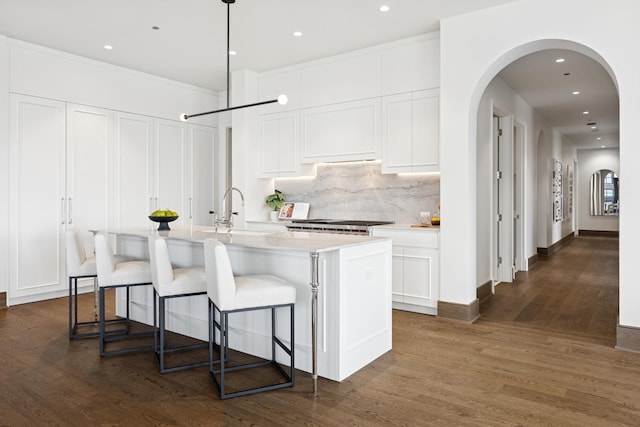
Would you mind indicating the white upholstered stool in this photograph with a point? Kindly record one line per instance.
(81, 263)
(113, 274)
(228, 294)
(171, 283)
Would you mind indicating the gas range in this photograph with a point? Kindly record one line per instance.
(340, 226)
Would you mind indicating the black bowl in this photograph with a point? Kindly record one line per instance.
(163, 220)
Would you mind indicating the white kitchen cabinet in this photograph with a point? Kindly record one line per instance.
(280, 145)
(273, 85)
(410, 132)
(348, 131)
(162, 164)
(200, 170)
(89, 141)
(37, 199)
(340, 79)
(411, 64)
(415, 267)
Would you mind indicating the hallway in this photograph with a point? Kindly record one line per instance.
(574, 291)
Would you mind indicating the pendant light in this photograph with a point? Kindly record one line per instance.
(282, 99)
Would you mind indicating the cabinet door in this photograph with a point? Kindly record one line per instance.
(89, 140)
(397, 274)
(269, 137)
(397, 133)
(202, 140)
(341, 132)
(133, 186)
(426, 131)
(288, 139)
(37, 201)
(170, 167)
(420, 265)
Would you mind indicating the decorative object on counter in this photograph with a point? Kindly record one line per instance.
(300, 210)
(435, 219)
(164, 218)
(286, 211)
(275, 202)
(282, 99)
(425, 218)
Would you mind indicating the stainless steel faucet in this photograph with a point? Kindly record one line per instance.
(227, 219)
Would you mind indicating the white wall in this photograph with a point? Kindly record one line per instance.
(474, 47)
(590, 161)
(48, 73)
(500, 98)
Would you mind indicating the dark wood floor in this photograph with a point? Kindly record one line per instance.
(542, 354)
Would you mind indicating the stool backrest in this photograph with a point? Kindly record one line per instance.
(221, 286)
(161, 270)
(75, 252)
(105, 262)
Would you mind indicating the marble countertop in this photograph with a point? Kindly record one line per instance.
(283, 240)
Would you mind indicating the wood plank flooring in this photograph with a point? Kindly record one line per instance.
(542, 354)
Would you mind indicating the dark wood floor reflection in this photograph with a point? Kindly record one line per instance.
(575, 290)
(542, 354)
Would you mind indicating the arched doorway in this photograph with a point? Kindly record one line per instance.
(549, 158)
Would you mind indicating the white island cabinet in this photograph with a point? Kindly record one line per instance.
(351, 275)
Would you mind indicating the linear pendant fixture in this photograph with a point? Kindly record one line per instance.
(282, 99)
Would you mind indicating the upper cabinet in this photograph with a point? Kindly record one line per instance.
(342, 132)
(413, 64)
(340, 80)
(280, 145)
(410, 132)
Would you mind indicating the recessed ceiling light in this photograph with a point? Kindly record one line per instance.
(297, 33)
(599, 138)
(575, 92)
(233, 52)
(585, 112)
(108, 46)
(602, 146)
(559, 60)
(594, 127)
(384, 8)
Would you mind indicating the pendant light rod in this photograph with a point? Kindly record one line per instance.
(282, 99)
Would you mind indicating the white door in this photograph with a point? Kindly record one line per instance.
(37, 198)
(89, 139)
(503, 201)
(202, 141)
(133, 186)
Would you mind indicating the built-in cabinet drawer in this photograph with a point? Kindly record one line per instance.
(341, 132)
(415, 268)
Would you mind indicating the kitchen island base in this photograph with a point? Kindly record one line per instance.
(353, 297)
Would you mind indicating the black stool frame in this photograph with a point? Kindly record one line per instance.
(161, 349)
(74, 324)
(223, 328)
(109, 336)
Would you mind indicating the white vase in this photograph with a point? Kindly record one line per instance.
(274, 215)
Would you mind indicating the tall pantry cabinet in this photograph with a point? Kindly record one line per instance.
(74, 166)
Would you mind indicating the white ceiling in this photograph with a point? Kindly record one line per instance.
(190, 44)
(547, 86)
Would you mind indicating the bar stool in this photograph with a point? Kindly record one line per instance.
(112, 274)
(241, 294)
(171, 283)
(81, 263)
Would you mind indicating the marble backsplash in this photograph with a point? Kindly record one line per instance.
(360, 191)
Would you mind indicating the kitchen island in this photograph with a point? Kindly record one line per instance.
(343, 293)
